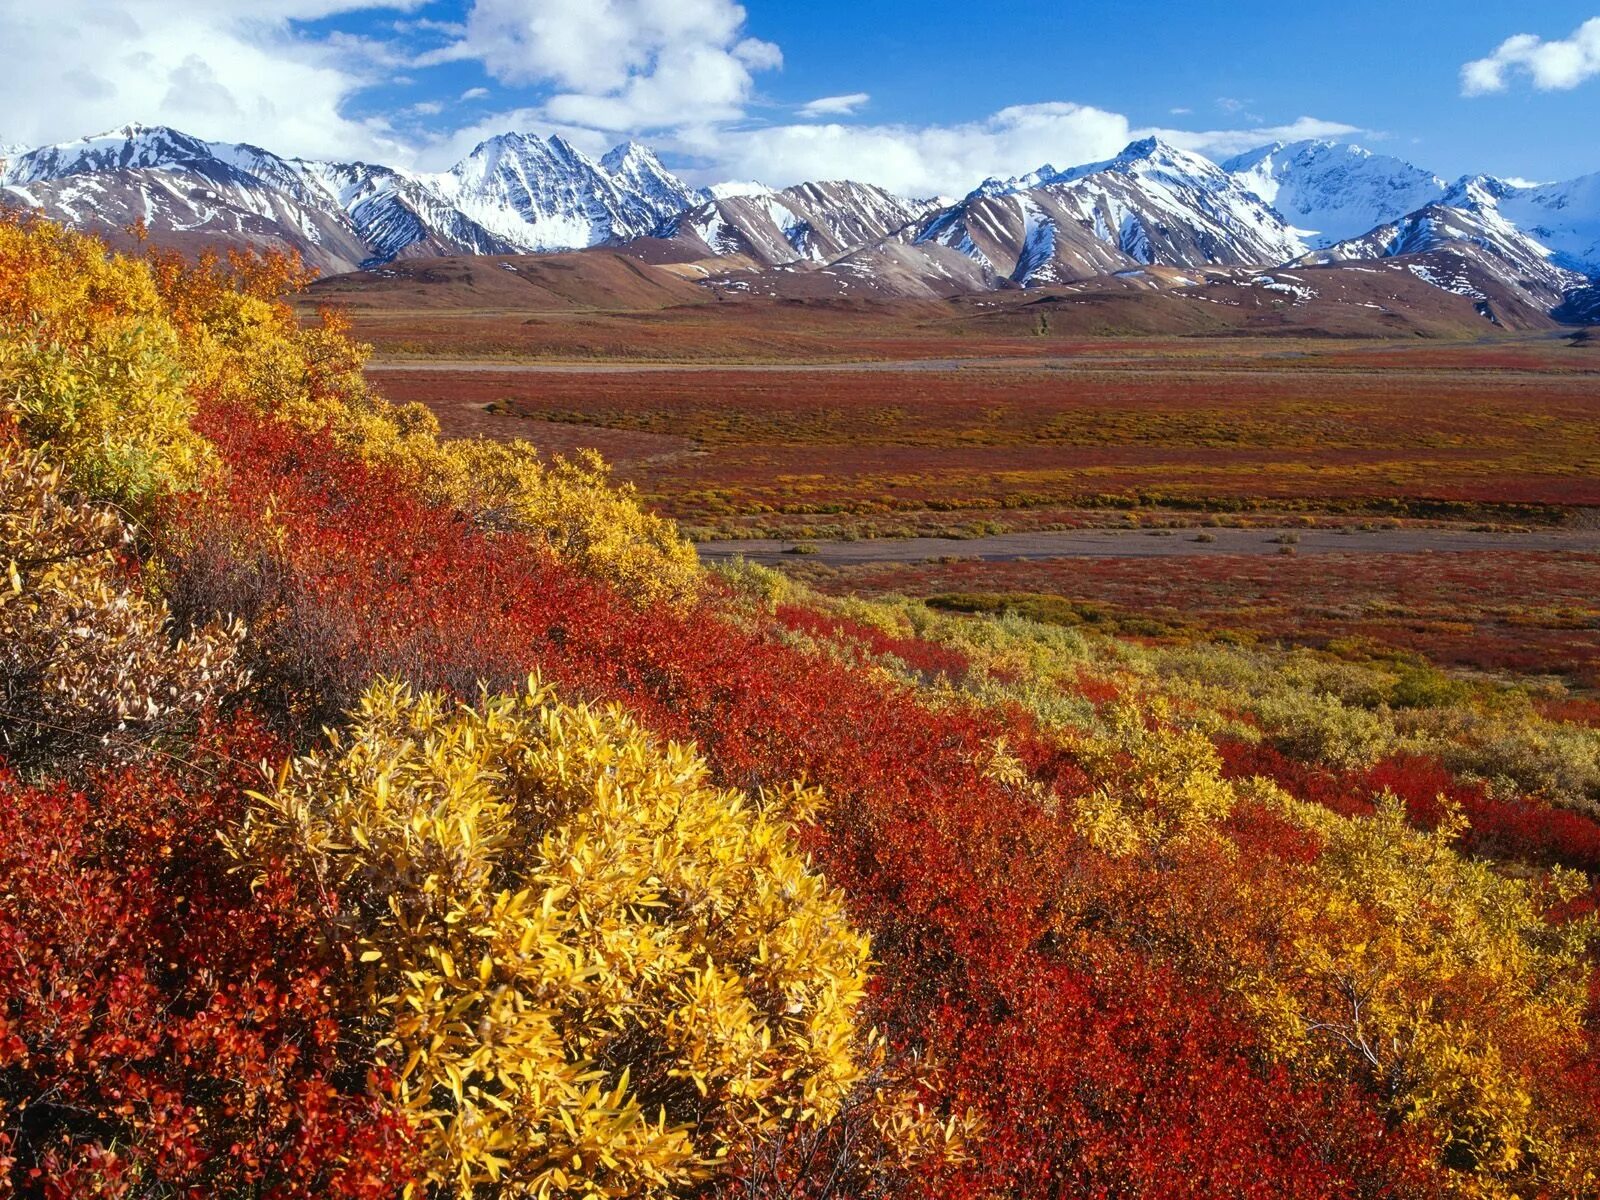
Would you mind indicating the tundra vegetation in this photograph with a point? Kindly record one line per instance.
(385, 815)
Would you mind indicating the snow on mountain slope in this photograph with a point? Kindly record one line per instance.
(726, 191)
(1330, 191)
(1029, 238)
(1152, 204)
(545, 194)
(812, 222)
(9, 151)
(1581, 307)
(636, 169)
(513, 193)
(131, 147)
(1177, 208)
(192, 207)
(1457, 245)
(1565, 217)
(397, 215)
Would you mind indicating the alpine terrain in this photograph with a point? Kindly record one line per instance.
(1154, 218)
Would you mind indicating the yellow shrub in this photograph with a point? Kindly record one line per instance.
(90, 366)
(1439, 980)
(1153, 782)
(584, 515)
(593, 972)
(752, 584)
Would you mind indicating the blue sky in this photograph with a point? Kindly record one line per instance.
(927, 96)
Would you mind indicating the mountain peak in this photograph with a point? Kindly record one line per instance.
(1478, 191)
(1332, 191)
(629, 152)
(1157, 149)
(138, 131)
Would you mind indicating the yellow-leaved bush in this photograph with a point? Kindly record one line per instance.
(105, 360)
(1386, 956)
(1438, 978)
(91, 369)
(591, 972)
(1153, 782)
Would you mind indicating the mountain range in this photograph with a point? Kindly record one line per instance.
(1156, 214)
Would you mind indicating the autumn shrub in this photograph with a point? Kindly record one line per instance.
(591, 971)
(165, 1029)
(92, 368)
(751, 583)
(1444, 984)
(89, 664)
(1152, 783)
(550, 953)
(1368, 950)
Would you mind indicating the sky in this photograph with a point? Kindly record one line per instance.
(925, 98)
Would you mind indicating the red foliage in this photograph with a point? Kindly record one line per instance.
(1097, 1073)
(1520, 829)
(163, 1030)
(1018, 436)
(928, 658)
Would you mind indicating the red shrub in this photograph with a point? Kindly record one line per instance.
(163, 1030)
(1517, 829)
(927, 658)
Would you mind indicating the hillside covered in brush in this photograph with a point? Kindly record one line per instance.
(384, 815)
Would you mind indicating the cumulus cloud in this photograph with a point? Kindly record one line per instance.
(919, 160)
(211, 67)
(681, 74)
(1550, 65)
(834, 106)
(1221, 143)
(620, 65)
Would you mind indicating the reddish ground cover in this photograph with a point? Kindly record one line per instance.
(1531, 612)
(1384, 432)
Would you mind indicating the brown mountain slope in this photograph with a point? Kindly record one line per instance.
(577, 281)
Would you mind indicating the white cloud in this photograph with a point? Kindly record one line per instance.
(920, 160)
(619, 65)
(211, 67)
(1221, 143)
(1551, 66)
(835, 106)
(680, 73)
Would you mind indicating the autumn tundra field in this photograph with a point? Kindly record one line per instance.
(392, 806)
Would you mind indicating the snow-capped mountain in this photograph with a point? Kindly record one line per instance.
(814, 222)
(513, 194)
(636, 169)
(1330, 191)
(1153, 204)
(1563, 216)
(1152, 208)
(544, 194)
(1460, 244)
